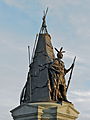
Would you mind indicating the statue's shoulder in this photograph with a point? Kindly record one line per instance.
(61, 62)
(55, 60)
(58, 61)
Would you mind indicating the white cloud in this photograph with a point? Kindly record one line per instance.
(24, 5)
(58, 3)
(81, 100)
(54, 5)
(9, 38)
(81, 93)
(15, 3)
(81, 24)
(80, 96)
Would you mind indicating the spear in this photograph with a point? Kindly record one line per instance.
(70, 74)
(29, 54)
(29, 76)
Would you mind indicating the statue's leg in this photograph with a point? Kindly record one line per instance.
(63, 92)
(59, 96)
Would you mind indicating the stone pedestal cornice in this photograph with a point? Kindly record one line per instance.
(45, 111)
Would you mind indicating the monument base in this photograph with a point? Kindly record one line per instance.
(45, 111)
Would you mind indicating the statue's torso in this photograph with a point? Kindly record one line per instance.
(59, 65)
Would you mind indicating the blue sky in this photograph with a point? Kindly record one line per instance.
(68, 23)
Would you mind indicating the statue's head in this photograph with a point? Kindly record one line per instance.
(60, 53)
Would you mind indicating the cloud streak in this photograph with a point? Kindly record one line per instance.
(81, 100)
(15, 3)
(81, 93)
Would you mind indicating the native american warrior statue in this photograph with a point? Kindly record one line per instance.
(57, 72)
(46, 76)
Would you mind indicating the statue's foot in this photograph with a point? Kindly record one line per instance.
(66, 100)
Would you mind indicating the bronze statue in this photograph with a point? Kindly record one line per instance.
(57, 77)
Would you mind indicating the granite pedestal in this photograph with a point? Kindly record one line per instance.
(45, 111)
